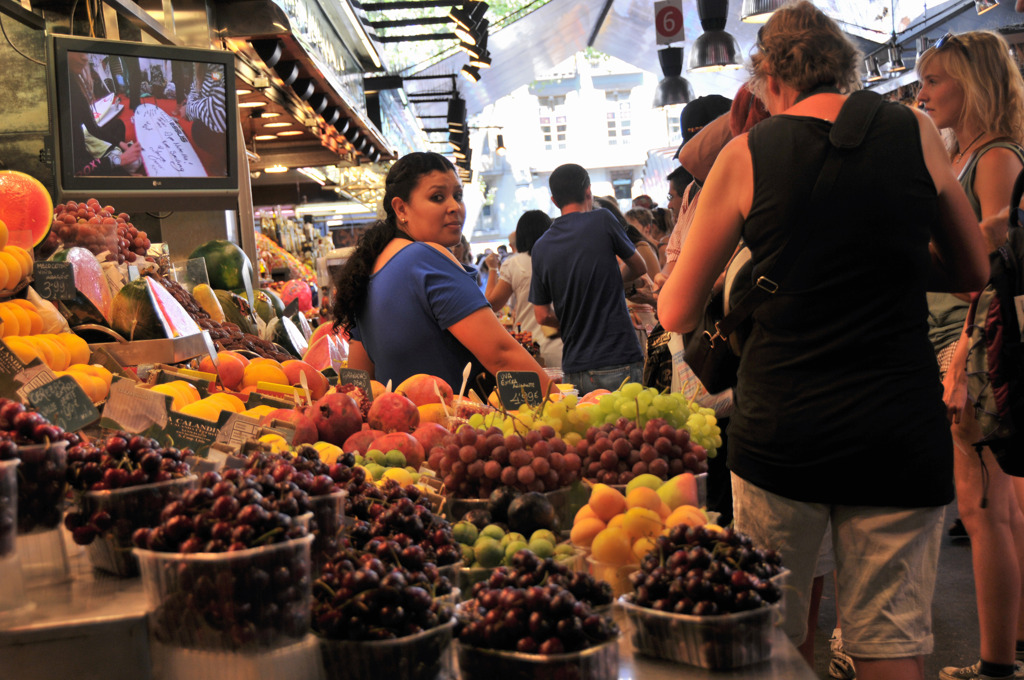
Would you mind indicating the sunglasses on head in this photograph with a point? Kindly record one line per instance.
(949, 38)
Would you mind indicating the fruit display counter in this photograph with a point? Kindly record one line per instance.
(95, 627)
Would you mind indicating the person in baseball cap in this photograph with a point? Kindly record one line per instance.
(699, 113)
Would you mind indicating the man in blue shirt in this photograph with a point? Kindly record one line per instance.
(577, 286)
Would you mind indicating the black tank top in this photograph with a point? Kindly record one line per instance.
(839, 399)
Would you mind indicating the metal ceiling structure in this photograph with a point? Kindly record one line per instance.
(525, 49)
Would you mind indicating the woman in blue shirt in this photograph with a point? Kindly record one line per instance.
(408, 304)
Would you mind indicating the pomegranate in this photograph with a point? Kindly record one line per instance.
(305, 430)
(336, 417)
(360, 441)
(393, 412)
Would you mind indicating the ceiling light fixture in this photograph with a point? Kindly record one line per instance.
(759, 11)
(276, 169)
(277, 125)
(250, 105)
(714, 50)
(471, 73)
(469, 15)
(456, 114)
(982, 6)
(896, 58)
(500, 148)
(264, 138)
(289, 133)
(871, 67)
(673, 88)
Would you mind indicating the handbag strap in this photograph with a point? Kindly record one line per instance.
(847, 133)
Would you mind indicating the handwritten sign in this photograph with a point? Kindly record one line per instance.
(360, 379)
(518, 387)
(55, 280)
(64, 403)
(166, 150)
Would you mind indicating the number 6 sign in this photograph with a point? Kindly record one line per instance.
(668, 21)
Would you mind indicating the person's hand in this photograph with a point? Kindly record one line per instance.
(954, 393)
(659, 280)
(493, 262)
(130, 153)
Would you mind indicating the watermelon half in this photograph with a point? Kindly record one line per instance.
(93, 302)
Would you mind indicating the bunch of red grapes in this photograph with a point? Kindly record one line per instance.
(616, 453)
(528, 569)
(40, 445)
(99, 229)
(540, 619)
(474, 462)
(700, 571)
(396, 523)
(362, 597)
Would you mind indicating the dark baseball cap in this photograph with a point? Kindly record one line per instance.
(699, 113)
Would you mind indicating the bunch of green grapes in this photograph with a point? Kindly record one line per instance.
(640, 404)
(562, 415)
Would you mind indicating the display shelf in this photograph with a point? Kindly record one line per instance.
(94, 627)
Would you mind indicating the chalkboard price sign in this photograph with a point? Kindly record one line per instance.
(360, 379)
(64, 403)
(55, 280)
(519, 387)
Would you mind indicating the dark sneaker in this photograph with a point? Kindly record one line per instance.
(958, 531)
(973, 672)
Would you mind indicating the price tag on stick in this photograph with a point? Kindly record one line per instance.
(518, 387)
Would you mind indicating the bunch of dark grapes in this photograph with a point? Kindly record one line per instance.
(100, 230)
(362, 597)
(396, 516)
(474, 462)
(358, 395)
(304, 469)
(121, 461)
(527, 569)
(29, 436)
(538, 619)
(617, 452)
(699, 571)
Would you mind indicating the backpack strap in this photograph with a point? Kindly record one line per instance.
(1016, 218)
(847, 133)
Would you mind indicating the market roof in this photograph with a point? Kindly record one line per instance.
(524, 49)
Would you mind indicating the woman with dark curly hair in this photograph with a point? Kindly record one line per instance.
(838, 407)
(408, 304)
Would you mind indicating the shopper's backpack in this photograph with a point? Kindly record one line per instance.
(995, 363)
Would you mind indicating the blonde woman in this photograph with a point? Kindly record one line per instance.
(972, 89)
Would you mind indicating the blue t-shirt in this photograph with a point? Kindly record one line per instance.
(411, 302)
(574, 268)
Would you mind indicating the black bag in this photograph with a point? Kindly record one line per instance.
(707, 348)
(708, 353)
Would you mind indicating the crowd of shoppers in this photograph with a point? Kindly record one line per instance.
(852, 418)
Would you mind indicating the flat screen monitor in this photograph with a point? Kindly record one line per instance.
(144, 127)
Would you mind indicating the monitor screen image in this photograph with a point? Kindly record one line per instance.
(133, 117)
